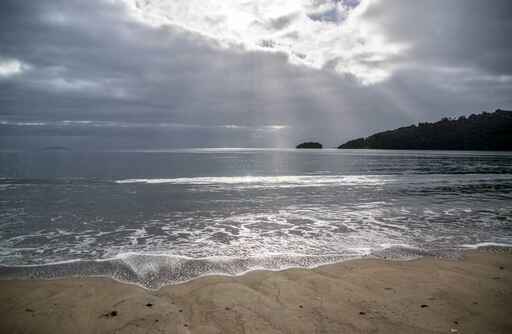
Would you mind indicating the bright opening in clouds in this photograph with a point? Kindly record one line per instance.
(10, 67)
(317, 33)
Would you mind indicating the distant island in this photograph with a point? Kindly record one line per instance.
(55, 148)
(309, 145)
(485, 131)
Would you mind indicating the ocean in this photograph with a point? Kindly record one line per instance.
(162, 217)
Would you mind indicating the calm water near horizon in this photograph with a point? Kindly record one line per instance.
(167, 216)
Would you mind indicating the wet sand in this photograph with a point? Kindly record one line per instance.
(428, 295)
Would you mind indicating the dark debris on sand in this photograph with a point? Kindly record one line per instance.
(110, 314)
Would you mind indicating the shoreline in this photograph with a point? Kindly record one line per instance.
(118, 270)
(425, 295)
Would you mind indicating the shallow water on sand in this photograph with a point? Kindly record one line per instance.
(161, 217)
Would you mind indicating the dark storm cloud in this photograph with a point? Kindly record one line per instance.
(91, 61)
(455, 33)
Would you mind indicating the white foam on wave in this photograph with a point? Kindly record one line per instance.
(321, 180)
(486, 244)
(154, 269)
(302, 180)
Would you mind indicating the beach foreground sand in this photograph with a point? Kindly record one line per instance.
(362, 296)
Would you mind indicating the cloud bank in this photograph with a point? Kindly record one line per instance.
(156, 73)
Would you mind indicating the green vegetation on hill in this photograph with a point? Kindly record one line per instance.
(485, 131)
(309, 145)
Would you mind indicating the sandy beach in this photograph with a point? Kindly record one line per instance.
(429, 295)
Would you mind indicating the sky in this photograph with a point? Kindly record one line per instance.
(156, 74)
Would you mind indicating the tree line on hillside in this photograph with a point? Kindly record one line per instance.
(485, 131)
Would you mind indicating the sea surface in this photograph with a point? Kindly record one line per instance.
(168, 216)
